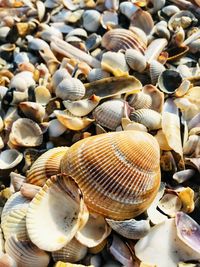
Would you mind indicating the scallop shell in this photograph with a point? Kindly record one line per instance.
(97, 74)
(9, 159)
(94, 232)
(33, 111)
(135, 60)
(119, 194)
(91, 20)
(118, 39)
(139, 100)
(25, 253)
(70, 89)
(130, 229)
(74, 251)
(47, 165)
(110, 113)
(25, 132)
(150, 118)
(61, 223)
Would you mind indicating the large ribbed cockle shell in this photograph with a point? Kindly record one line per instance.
(118, 173)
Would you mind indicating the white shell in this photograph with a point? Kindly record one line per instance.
(10, 158)
(139, 100)
(91, 20)
(128, 8)
(56, 128)
(62, 223)
(22, 81)
(156, 68)
(97, 74)
(170, 204)
(155, 48)
(25, 253)
(135, 60)
(70, 89)
(110, 113)
(32, 110)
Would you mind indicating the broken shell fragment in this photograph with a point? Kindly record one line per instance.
(170, 204)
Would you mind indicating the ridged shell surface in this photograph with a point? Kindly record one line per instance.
(110, 113)
(97, 74)
(47, 165)
(117, 39)
(135, 60)
(140, 100)
(118, 173)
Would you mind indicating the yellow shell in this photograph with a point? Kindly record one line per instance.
(118, 173)
(45, 166)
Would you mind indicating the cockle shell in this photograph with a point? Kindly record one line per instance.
(62, 223)
(150, 118)
(143, 20)
(155, 69)
(25, 132)
(74, 251)
(70, 89)
(58, 76)
(118, 39)
(47, 165)
(139, 100)
(129, 186)
(22, 81)
(135, 60)
(25, 253)
(33, 111)
(110, 113)
(97, 74)
(91, 20)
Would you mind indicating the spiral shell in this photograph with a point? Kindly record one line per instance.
(47, 165)
(117, 172)
(117, 39)
(70, 89)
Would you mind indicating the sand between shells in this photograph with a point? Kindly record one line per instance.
(99, 133)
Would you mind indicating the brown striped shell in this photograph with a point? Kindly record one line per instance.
(118, 173)
(118, 39)
(45, 166)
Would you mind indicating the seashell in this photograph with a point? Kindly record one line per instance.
(149, 118)
(122, 39)
(157, 5)
(169, 81)
(10, 117)
(36, 43)
(169, 252)
(135, 60)
(131, 229)
(170, 10)
(183, 18)
(143, 20)
(177, 52)
(162, 141)
(7, 261)
(55, 128)
(62, 223)
(107, 200)
(170, 204)
(25, 253)
(191, 147)
(67, 264)
(33, 111)
(94, 231)
(194, 122)
(188, 231)
(70, 51)
(50, 60)
(128, 125)
(58, 76)
(186, 195)
(140, 33)
(25, 132)
(47, 165)
(82, 107)
(93, 41)
(161, 30)
(112, 4)
(183, 176)
(42, 95)
(78, 32)
(74, 251)
(9, 159)
(112, 86)
(48, 32)
(156, 95)
(115, 63)
(29, 190)
(139, 100)
(72, 122)
(16, 181)
(22, 81)
(154, 49)
(109, 19)
(98, 248)
(183, 88)
(128, 9)
(97, 74)
(91, 20)
(70, 89)
(41, 10)
(110, 113)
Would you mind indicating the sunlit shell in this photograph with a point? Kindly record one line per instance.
(9, 159)
(74, 251)
(143, 20)
(118, 194)
(135, 60)
(109, 19)
(161, 30)
(33, 111)
(62, 223)
(155, 69)
(128, 125)
(29, 190)
(22, 81)
(170, 204)
(183, 176)
(26, 132)
(16, 181)
(70, 89)
(156, 95)
(186, 195)
(183, 19)
(154, 49)
(91, 20)
(130, 229)
(58, 76)
(98, 248)
(55, 128)
(138, 101)
(97, 74)
(94, 232)
(47, 165)
(150, 118)
(128, 8)
(42, 95)
(110, 113)
(25, 253)
(162, 141)
(117, 39)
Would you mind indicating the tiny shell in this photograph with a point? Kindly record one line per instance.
(97, 74)
(70, 89)
(135, 60)
(91, 20)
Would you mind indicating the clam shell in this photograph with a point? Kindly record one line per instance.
(94, 232)
(170, 204)
(183, 18)
(130, 229)
(70, 89)
(91, 20)
(74, 251)
(47, 165)
(29, 190)
(97, 74)
(22, 81)
(33, 111)
(139, 100)
(148, 117)
(169, 81)
(61, 223)
(135, 60)
(25, 253)
(118, 39)
(110, 113)
(128, 188)
(183, 176)
(55, 128)
(156, 95)
(109, 19)
(16, 181)
(154, 49)
(128, 9)
(155, 69)
(58, 76)
(143, 20)
(25, 132)
(9, 159)
(128, 125)
(42, 95)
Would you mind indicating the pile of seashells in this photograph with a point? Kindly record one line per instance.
(99, 133)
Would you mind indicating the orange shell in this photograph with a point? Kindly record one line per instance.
(47, 165)
(117, 172)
